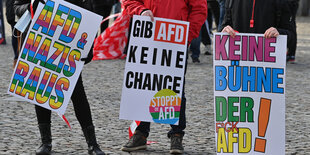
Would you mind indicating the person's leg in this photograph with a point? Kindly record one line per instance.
(144, 127)
(222, 14)
(179, 129)
(81, 105)
(208, 50)
(14, 45)
(83, 114)
(210, 17)
(293, 44)
(195, 48)
(14, 42)
(43, 115)
(138, 140)
(216, 12)
(204, 34)
(44, 123)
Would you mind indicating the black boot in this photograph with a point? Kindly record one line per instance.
(46, 138)
(93, 147)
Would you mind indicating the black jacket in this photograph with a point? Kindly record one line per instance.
(267, 13)
(10, 15)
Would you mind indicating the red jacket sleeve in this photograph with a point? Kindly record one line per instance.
(134, 7)
(197, 16)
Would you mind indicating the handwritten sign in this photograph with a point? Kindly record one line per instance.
(50, 63)
(154, 71)
(249, 94)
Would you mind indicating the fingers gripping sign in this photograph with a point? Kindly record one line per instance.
(271, 32)
(148, 13)
(230, 31)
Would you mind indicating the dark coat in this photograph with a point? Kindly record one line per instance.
(266, 15)
(10, 14)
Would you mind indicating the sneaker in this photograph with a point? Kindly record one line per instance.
(136, 142)
(208, 50)
(196, 60)
(290, 59)
(176, 144)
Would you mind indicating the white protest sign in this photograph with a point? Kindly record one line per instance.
(49, 63)
(249, 94)
(154, 71)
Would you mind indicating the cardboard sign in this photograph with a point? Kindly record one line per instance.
(249, 94)
(49, 62)
(154, 71)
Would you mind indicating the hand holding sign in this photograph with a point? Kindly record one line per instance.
(49, 64)
(148, 13)
(249, 74)
(154, 70)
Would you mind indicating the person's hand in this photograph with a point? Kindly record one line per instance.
(230, 31)
(271, 32)
(148, 13)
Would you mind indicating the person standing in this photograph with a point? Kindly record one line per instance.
(222, 14)
(214, 14)
(10, 17)
(193, 11)
(293, 5)
(79, 99)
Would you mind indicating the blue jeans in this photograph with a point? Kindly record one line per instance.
(222, 14)
(195, 46)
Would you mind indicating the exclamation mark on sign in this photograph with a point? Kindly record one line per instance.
(263, 119)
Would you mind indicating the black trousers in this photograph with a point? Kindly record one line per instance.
(80, 104)
(213, 13)
(293, 43)
(14, 42)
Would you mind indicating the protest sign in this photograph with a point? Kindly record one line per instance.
(49, 63)
(249, 94)
(154, 71)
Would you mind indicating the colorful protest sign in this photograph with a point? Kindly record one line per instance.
(154, 71)
(49, 63)
(249, 94)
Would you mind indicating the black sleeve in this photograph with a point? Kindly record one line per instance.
(10, 15)
(285, 25)
(227, 17)
(20, 7)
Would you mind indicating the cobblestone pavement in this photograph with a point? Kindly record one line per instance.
(103, 81)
